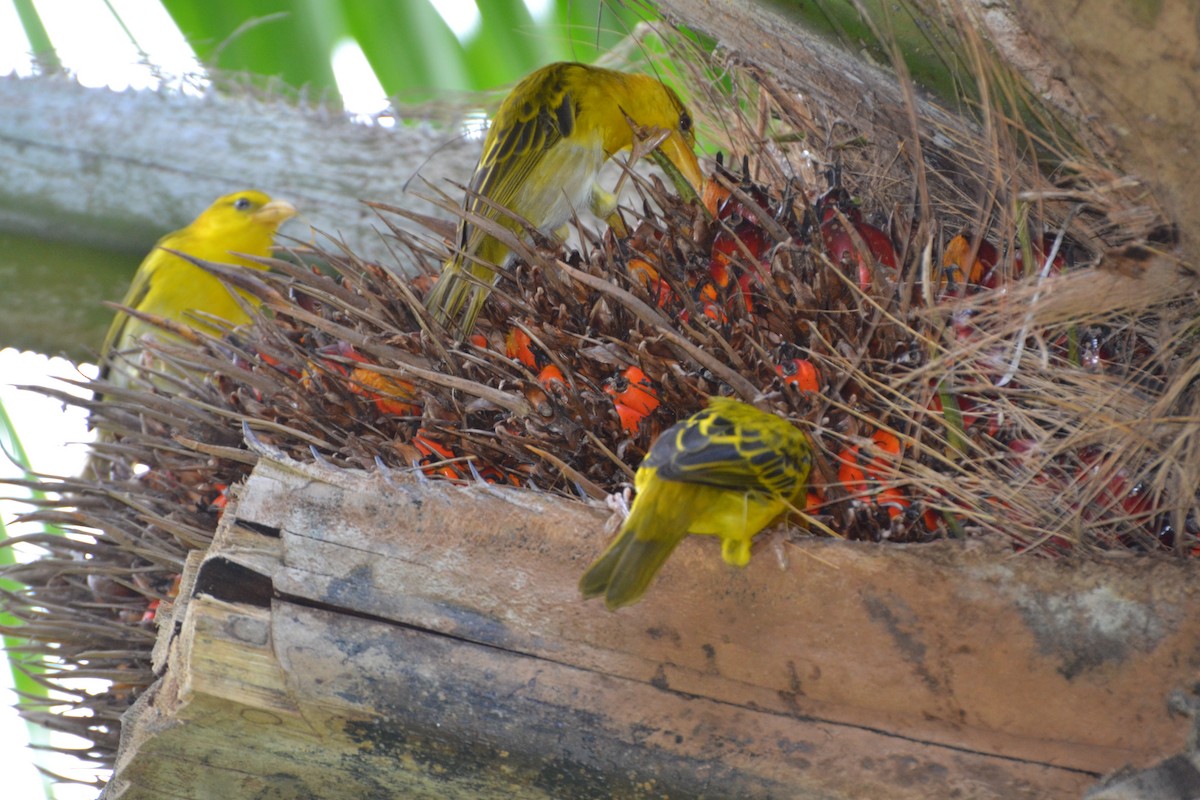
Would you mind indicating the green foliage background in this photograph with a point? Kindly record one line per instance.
(411, 49)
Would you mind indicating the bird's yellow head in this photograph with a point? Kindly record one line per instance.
(243, 220)
(645, 102)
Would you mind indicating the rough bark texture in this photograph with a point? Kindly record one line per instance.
(1123, 74)
(1129, 70)
(117, 169)
(374, 636)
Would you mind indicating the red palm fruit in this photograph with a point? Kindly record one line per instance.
(633, 389)
(551, 374)
(433, 453)
(801, 373)
(959, 269)
(841, 248)
(390, 395)
(518, 346)
(631, 420)
(851, 476)
(893, 500)
(887, 445)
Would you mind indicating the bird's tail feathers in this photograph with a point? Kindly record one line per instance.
(448, 296)
(624, 572)
(457, 298)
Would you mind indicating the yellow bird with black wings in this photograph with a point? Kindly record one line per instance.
(542, 155)
(725, 471)
(168, 286)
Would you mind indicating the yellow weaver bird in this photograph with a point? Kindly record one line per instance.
(726, 471)
(540, 161)
(168, 286)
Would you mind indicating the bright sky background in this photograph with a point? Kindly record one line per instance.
(91, 44)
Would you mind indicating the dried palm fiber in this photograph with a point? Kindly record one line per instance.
(1035, 410)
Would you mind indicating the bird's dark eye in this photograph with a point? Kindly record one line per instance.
(685, 122)
(242, 203)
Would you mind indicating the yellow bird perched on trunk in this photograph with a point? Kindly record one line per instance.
(171, 287)
(540, 161)
(726, 471)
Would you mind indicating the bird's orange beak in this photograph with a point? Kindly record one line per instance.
(683, 159)
(275, 212)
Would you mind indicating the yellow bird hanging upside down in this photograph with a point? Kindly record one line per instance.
(726, 471)
(168, 286)
(540, 161)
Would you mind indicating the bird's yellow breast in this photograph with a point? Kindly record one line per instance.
(563, 186)
(181, 287)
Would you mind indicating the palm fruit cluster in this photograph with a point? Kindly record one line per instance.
(583, 355)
